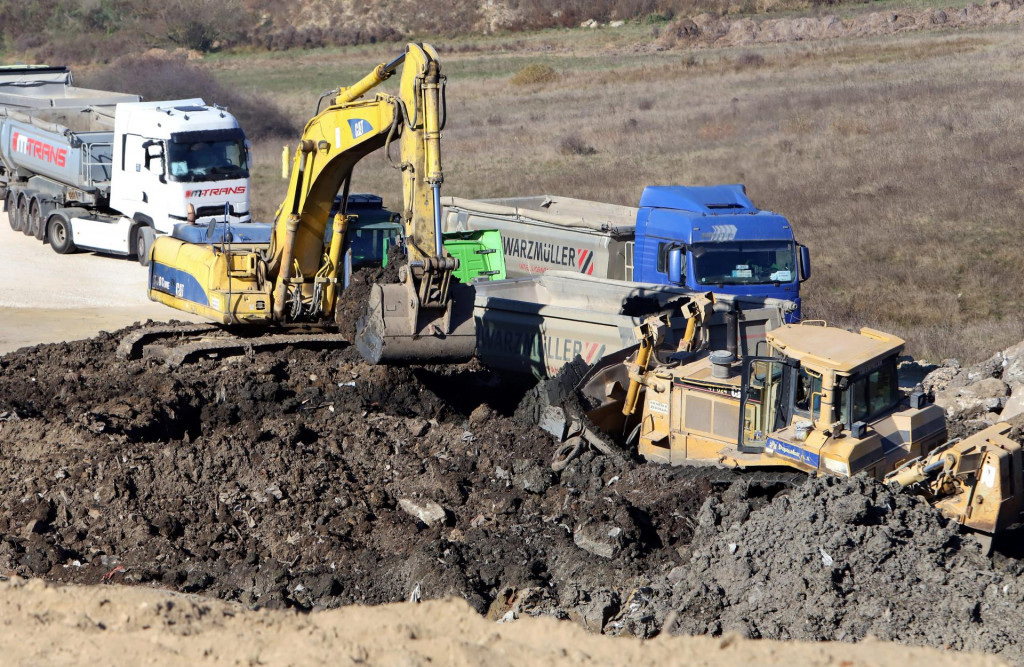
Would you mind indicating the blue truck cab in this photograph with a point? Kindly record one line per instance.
(714, 239)
(707, 239)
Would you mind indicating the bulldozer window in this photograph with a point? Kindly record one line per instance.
(808, 393)
(870, 395)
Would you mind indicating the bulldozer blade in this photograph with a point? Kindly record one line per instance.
(397, 329)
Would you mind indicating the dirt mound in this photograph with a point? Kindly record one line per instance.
(841, 561)
(311, 480)
(714, 31)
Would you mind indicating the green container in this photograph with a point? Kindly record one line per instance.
(479, 253)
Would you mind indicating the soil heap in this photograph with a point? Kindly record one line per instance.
(310, 480)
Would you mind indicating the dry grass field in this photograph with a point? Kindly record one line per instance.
(898, 159)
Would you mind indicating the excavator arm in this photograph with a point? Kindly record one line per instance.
(294, 279)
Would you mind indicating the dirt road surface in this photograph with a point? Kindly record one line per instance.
(113, 625)
(47, 298)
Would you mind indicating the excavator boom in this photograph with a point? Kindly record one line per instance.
(291, 276)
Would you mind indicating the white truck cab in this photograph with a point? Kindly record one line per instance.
(172, 162)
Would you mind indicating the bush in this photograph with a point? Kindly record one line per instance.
(158, 78)
(574, 145)
(203, 25)
(534, 74)
(749, 59)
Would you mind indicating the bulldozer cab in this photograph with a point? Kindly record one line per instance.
(821, 381)
(776, 393)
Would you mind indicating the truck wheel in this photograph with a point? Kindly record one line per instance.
(9, 205)
(143, 242)
(35, 221)
(59, 231)
(21, 211)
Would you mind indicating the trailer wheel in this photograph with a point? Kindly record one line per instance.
(9, 206)
(143, 242)
(21, 210)
(59, 231)
(35, 220)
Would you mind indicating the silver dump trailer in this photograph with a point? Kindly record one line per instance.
(534, 326)
(542, 233)
(53, 136)
(105, 171)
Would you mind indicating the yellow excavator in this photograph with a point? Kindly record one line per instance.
(286, 274)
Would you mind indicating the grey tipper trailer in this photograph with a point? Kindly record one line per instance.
(533, 326)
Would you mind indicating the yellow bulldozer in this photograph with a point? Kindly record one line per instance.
(815, 398)
(287, 276)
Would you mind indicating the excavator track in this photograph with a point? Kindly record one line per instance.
(179, 344)
(132, 345)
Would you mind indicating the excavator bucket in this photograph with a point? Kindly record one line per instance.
(398, 329)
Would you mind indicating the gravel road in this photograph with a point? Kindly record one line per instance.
(48, 298)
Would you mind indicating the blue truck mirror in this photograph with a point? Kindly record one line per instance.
(805, 263)
(675, 265)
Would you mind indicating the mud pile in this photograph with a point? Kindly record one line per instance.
(836, 560)
(308, 479)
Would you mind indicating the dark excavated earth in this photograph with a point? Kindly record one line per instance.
(309, 479)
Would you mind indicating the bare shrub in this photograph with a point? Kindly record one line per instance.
(749, 59)
(573, 144)
(645, 103)
(202, 25)
(86, 47)
(174, 78)
(534, 74)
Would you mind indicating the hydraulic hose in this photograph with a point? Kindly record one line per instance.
(438, 241)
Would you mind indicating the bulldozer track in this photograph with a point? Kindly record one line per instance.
(716, 475)
(178, 344)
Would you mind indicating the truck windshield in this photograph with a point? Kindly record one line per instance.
(219, 160)
(744, 262)
(367, 241)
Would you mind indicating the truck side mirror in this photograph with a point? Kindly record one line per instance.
(805, 263)
(248, 155)
(675, 265)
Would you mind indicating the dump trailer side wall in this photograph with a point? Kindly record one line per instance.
(534, 326)
(536, 241)
(32, 150)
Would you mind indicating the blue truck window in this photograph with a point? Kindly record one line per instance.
(744, 263)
